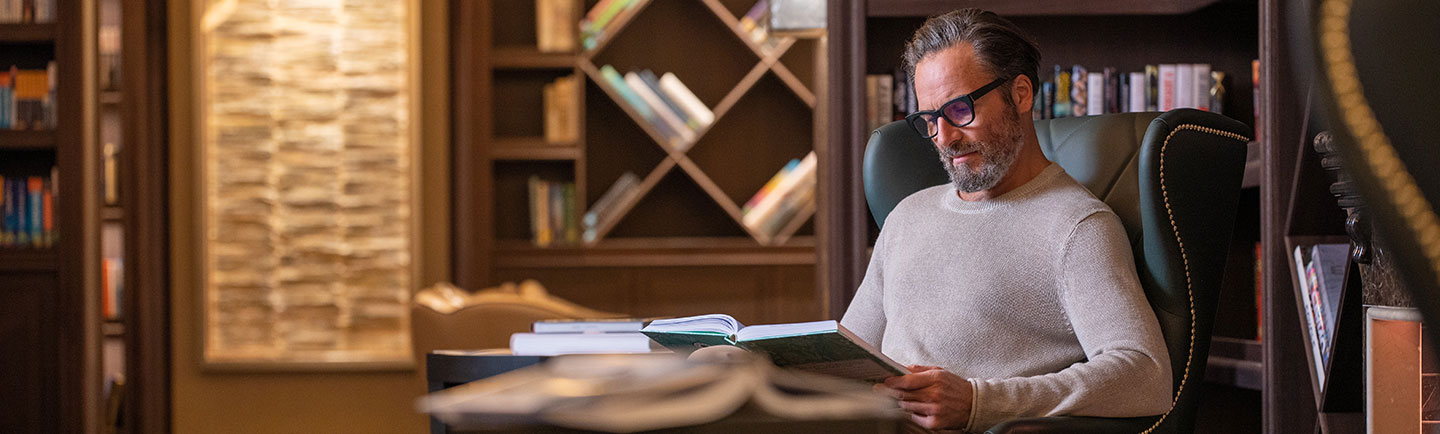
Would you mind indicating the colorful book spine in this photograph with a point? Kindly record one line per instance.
(1079, 95)
(686, 99)
(35, 207)
(653, 83)
(770, 185)
(1095, 101)
(681, 136)
(1168, 100)
(1200, 85)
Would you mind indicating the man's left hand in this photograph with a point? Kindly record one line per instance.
(935, 398)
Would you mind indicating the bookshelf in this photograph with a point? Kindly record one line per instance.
(685, 212)
(44, 291)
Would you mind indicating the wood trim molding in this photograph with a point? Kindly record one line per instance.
(144, 180)
(842, 203)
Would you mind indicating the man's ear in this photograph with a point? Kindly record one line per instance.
(1022, 91)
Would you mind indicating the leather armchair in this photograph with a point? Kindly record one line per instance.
(1173, 179)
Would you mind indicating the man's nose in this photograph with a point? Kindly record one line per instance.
(946, 134)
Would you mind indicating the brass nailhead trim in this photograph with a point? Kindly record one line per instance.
(1189, 292)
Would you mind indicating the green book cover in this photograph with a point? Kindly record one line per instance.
(821, 346)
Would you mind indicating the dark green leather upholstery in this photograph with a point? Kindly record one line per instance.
(1174, 180)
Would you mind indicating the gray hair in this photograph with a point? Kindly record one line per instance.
(1000, 46)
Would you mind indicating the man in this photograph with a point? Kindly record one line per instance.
(1012, 292)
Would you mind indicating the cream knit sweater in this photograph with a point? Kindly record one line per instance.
(1032, 296)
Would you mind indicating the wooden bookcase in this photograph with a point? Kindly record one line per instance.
(50, 325)
(679, 247)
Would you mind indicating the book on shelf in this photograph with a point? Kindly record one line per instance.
(1302, 284)
(653, 84)
(681, 134)
(1320, 279)
(823, 347)
(879, 100)
(1078, 91)
(552, 212)
(602, 19)
(110, 178)
(29, 213)
(589, 325)
(562, 110)
(1095, 102)
(775, 206)
(29, 100)
(27, 11)
(608, 206)
(555, 344)
(554, 32)
(682, 96)
(756, 25)
(112, 286)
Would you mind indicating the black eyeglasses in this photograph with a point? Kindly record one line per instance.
(958, 112)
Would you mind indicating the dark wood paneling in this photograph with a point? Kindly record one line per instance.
(144, 178)
(1287, 408)
(29, 361)
(841, 219)
(696, 46)
(470, 218)
(677, 207)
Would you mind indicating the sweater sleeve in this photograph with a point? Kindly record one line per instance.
(866, 315)
(1127, 368)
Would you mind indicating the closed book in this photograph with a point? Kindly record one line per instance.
(556, 207)
(884, 97)
(687, 100)
(1201, 83)
(1152, 88)
(610, 199)
(36, 208)
(769, 185)
(1047, 98)
(1137, 92)
(653, 83)
(1184, 86)
(823, 347)
(1167, 87)
(1112, 91)
(762, 210)
(1095, 104)
(22, 212)
(681, 135)
(1062, 104)
(1079, 92)
(592, 325)
(1330, 261)
(7, 228)
(47, 199)
(572, 217)
(617, 82)
(555, 344)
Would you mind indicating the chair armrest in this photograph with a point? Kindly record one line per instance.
(1073, 425)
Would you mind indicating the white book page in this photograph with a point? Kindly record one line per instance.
(776, 330)
(713, 323)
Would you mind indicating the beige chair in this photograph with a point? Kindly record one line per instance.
(448, 318)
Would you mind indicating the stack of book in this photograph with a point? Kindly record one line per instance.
(1078, 91)
(589, 336)
(602, 20)
(1320, 271)
(562, 110)
(29, 205)
(552, 212)
(27, 98)
(609, 205)
(112, 287)
(783, 198)
(662, 102)
(27, 11)
(553, 30)
(756, 25)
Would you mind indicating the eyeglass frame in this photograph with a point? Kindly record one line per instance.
(939, 112)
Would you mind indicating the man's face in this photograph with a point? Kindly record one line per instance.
(978, 155)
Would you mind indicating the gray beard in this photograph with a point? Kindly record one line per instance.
(998, 157)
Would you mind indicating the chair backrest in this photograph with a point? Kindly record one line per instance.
(1172, 178)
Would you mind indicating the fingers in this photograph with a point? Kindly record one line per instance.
(919, 380)
(920, 408)
(921, 368)
(899, 395)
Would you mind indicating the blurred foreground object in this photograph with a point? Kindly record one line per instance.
(628, 393)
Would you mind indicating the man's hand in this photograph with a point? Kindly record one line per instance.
(935, 398)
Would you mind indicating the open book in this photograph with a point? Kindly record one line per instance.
(820, 346)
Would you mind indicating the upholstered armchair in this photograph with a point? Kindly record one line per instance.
(1173, 179)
